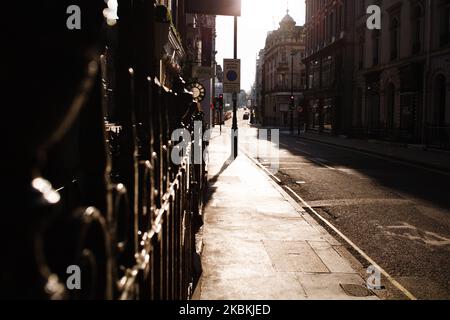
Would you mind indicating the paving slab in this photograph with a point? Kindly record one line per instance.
(294, 256)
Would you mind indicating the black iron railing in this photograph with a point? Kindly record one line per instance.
(100, 192)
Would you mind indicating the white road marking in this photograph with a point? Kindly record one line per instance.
(261, 166)
(301, 143)
(345, 238)
(354, 246)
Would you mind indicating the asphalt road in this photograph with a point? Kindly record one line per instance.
(399, 215)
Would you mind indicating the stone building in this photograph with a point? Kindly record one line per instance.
(201, 47)
(388, 84)
(329, 60)
(402, 73)
(258, 88)
(282, 72)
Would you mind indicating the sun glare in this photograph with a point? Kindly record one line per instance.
(258, 18)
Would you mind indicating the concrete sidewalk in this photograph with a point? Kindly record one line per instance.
(258, 244)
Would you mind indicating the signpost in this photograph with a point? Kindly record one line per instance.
(224, 8)
(232, 75)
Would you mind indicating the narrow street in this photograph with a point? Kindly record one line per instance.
(398, 214)
(328, 177)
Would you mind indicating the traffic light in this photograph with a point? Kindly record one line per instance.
(220, 101)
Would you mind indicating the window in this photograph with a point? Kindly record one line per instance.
(376, 47)
(316, 74)
(445, 24)
(358, 108)
(395, 38)
(283, 55)
(331, 27)
(303, 79)
(361, 51)
(328, 115)
(440, 101)
(283, 81)
(327, 71)
(390, 106)
(314, 114)
(417, 29)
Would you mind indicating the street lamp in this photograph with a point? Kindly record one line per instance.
(234, 127)
(293, 53)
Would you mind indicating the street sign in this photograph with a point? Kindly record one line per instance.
(231, 75)
(214, 7)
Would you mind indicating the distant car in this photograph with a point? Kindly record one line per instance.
(246, 116)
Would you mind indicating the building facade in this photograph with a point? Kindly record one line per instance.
(201, 48)
(282, 73)
(402, 73)
(390, 83)
(185, 45)
(329, 65)
(258, 88)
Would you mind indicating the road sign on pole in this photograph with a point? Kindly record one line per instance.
(232, 75)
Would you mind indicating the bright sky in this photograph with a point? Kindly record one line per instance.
(258, 17)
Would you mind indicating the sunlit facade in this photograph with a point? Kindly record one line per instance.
(402, 73)
(283, 72)
(389, 84)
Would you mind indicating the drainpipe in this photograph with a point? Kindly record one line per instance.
(426, 94)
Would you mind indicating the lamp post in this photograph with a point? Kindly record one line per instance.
(234, 131)
(293, 53)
